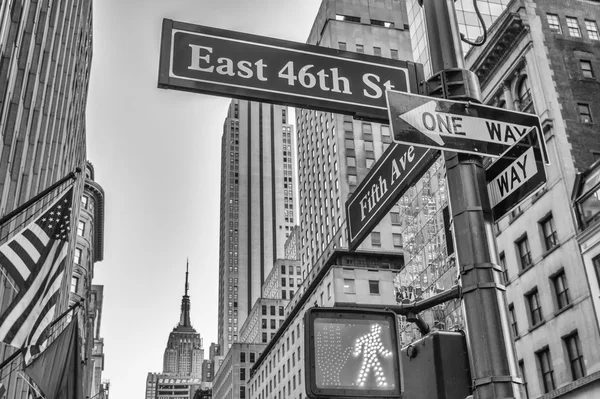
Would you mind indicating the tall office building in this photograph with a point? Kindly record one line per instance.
(184, 353)
(335, 152)
(45, 59)
(257, 212)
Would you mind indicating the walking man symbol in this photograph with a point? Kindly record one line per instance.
(371, 347)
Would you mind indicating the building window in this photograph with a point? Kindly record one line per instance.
(360, 49)
(586, 68)
(342, 45)
(369, 162)
(264, 337)
(352, 179)
(502, 260)
(74, 284)
(394, 53)
(367, 128)
(377, 51)
(351, 162)
(281, 311)
(80, 228)
(84, 202)
(376, 238)
(242, 392)
(512, 320)
(561, 290)
(329, 291)
(252, 357)
(592, 29)
(272, 310)
(575, 356)
(374, 287)
(585, 116)
(385, 130)
(282, 269)
(554, 23)
(349, 287)
(535, 308)
(524, 252)
(395, 216)
(242, 357)
(264, 310)
(273, 324)
(549, 232)
(77, 258)
(573, 26)
(546, 371)
(242, 374)
(525, 100)
(522, 370)
(397, 239)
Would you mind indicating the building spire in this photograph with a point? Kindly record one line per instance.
(187, 266)
(184, 321)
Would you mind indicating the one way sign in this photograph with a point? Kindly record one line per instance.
(456, 125)
(516, 174)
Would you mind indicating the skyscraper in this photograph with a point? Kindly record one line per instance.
(184, 353)
(335, 152)
(45, 60)
(257, 211)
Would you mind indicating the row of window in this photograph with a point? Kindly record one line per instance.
(573, 354)
(350, 287)
(573, 28)
(375, 22)
(534, 306)
(272, 308)
(550, 240)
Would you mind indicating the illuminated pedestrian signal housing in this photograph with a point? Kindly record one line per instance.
(351, 353)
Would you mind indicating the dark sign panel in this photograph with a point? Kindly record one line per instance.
(395, 172)
(516, 174)
(233, 64)
(457, 125)
(351, 353)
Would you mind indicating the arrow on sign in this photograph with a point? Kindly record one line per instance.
(456, 125)
(435, 124)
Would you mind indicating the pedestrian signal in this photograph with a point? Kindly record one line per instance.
(351, 353)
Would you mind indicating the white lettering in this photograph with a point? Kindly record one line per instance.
(197, 56)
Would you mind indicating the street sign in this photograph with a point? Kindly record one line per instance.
(351, 353)
(389, 178)
(457, 125)
(516, 174)
(233, 64)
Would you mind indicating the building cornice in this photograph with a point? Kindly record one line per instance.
(98, 193)
(503, 38)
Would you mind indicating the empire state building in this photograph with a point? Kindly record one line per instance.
(184, 353)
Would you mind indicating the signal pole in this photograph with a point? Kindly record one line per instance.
(491, 350)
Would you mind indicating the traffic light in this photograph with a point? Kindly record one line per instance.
(437, 366)
(351, 353)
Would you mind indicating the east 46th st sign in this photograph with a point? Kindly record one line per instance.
(457, 125)
(257, 68)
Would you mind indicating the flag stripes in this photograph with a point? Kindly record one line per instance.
(36, 260)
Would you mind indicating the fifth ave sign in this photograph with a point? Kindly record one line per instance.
(457, 125)
(257, 68)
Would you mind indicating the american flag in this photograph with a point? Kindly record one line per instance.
(35, 259)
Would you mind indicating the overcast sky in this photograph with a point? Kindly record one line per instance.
(157, 155)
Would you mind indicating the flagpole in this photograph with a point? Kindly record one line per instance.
(21, 208)
(39, 394)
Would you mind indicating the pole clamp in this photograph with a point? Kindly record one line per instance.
(498, 378)
(482, 265)
(478, 286)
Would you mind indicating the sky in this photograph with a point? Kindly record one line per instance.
(156, 153)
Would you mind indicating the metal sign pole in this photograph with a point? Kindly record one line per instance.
(492, 355)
